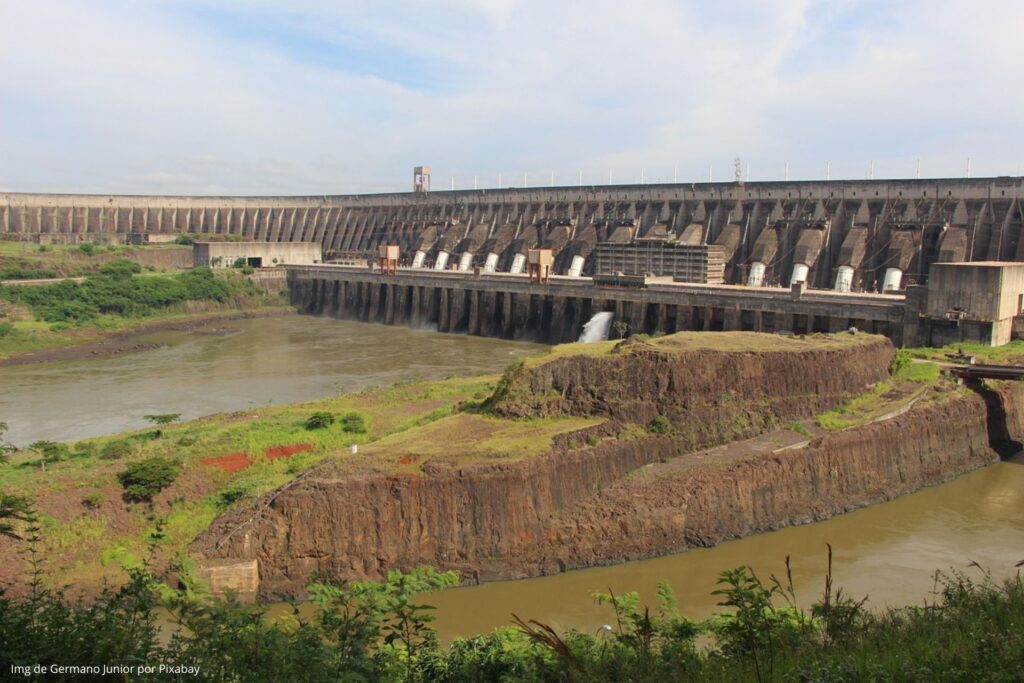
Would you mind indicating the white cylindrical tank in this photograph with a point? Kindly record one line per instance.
(576, 267)
(491, 264)
(756, 277)
(418, 258)
(844, 279)
(517, 263)
(893, 277)
(442, 260)
(799, 274)
(466, 261)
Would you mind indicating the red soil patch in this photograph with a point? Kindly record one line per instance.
(275, 452)
(232, 462)
(408, 459)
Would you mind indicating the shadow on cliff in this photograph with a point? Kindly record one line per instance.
(1000, 437)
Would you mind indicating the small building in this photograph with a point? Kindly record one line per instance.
(974, 301)
(255, 254)
(696, 263)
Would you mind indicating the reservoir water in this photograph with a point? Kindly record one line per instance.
(888, 552)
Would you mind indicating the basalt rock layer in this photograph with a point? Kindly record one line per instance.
(623, 498)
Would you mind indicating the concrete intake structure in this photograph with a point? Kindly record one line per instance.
(871, 228)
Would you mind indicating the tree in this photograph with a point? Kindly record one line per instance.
(50, 450)
(144, 479)
(6, 447)
(14, 509)
(319, 420)
(120, 268)
(621, 328)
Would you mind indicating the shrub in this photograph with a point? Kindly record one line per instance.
(319, 420)
(248, 270)
(87, 248)
(901, 360)
(144, 479)
(120, 268)
(116, 449)
(86, 449)
(6, 329)
(239, 262)
(660, 425)
(93, 501)
(68, 312)
(184, 239)
(353, 423)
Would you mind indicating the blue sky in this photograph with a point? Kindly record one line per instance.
(328, 97)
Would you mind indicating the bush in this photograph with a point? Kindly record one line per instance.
(51, 450)
(319, 420)
(93, 501)
(6, 329)
(248, 270)
(20, 273)
(901, 360)
(116, 450)
(660, 425)
(353, 423)
(68, 312)
(184, 239)
(120, 268)
(87, 248)
(239, 262)
(144, 479)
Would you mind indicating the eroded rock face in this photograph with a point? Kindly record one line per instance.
(735, 392)
(577, 507)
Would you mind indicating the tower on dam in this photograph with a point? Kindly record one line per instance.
(846, 236)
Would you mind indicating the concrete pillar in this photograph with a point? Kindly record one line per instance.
(389, 304)
(684, 318)
(662, 324)
(731, 320)
(758, 321)
(507, 324)
(443, 313)
(344, 293)
(473, 324)
(415, 318)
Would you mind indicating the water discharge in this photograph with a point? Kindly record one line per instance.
(597, 328)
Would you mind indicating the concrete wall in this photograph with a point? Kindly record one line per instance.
(984, 291)
(224, 254)
(985, 212)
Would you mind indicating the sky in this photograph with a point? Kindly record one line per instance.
(344, 96)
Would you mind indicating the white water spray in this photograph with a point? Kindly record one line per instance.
(597, 328)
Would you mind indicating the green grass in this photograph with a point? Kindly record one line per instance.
(201, 491)
(681, 342)
(1010, 354)
(919, 372)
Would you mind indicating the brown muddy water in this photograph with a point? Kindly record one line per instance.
(231, 366)
(888, 552)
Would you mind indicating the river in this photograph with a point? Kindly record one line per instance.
(887, 552)
(230, 366)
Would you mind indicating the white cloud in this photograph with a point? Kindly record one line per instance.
(224, 96)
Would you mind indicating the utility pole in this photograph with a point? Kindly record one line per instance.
(828, 170)
(871, 170)
(787, 170)
(711, 173)
(968, 167)
(581, 177)
(499, 181)
(609, 175)
(552, 179)
(918, 172)
(675, 174)
(474, 182)
(641, 175)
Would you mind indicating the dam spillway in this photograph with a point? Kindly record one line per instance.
(510, 306)
(876, 234)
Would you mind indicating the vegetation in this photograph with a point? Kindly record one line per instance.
(319, 420)
(363, 631)
(660, 425)
(146, 478)
(353, 423)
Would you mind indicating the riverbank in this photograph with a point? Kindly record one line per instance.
(99, 342)
(102, 314)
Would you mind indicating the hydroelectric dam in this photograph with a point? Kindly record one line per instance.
(801, 256)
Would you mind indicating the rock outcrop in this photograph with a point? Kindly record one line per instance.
(623, 498)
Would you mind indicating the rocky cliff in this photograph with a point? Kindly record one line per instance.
(623, 498)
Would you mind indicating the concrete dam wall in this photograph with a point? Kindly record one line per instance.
(840, 234)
